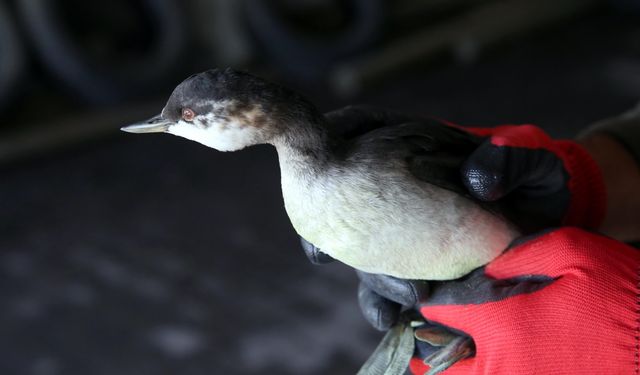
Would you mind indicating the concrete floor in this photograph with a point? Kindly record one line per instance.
(154, 255)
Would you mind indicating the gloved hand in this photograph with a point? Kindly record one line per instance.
(547, 182)
(565, 302)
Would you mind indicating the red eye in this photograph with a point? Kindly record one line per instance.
(188, 114)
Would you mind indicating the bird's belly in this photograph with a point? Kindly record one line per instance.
(402, 233)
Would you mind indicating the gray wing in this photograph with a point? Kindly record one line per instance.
(356, 120)
(433, 152)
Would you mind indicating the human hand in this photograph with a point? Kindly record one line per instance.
(562, 303)
(546, 182)
(382, 298)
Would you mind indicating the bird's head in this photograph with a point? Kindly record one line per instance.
(228, 110)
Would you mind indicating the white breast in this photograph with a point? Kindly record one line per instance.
(393, 224)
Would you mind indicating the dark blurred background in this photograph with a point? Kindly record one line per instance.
(126, 255)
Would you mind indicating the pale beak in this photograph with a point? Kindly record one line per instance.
(155, 124)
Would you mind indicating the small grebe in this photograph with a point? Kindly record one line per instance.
(389, 201)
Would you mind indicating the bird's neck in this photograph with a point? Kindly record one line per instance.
(303, 150)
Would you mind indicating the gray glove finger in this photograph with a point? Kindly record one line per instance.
(315, 255)
(380, 312)
(405, 292)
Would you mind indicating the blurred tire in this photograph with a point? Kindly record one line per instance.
(11, 57)
(295, 52)
(89, 76)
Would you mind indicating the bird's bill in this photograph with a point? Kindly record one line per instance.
(155, 124)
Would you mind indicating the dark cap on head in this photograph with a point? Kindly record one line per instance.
(200, 91)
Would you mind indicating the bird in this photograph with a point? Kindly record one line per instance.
(384, 199)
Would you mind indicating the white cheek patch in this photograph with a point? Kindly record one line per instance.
(220, 136)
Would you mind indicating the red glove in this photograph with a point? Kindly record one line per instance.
(563, 303)
(546, 182)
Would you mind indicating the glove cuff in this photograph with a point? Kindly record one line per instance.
(586, 185)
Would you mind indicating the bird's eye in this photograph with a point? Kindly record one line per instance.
(188, 114)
